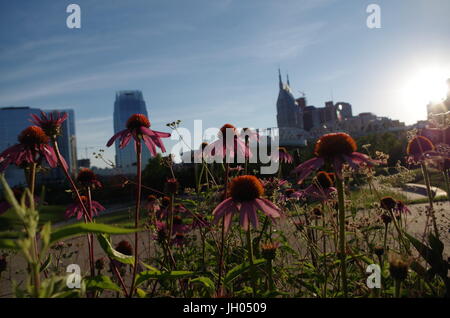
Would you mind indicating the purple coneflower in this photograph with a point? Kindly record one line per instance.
(164, 207)
(138, 126)
(50, 124)
(337, 149)
(245, 198)
(249, 134)
(419, 149)
(436, 135)
(321, 188)
(397, 206)
(152, 204)
(283, 156)
(77, 209)
(87, 178)
(179, 239)
(224, 150)
(32, 148)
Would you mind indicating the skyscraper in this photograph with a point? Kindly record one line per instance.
(289, 114)
(12, 121)
(126, 104)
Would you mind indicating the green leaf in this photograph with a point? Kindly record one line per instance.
(84, 228)
(436, 245)
(45, 234)
(10, 197)
(423, 250)
(239, 270)
(101, 282)
(146, 275)
(11, 235)
(105, 243)
(141, 293)
(8, 244)
(46, 264)
(206, 282)
(274, 293)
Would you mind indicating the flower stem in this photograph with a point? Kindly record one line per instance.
(447, 184)
(398, 287)
(90, 236)
(170, 225)
(136, 215)
(221, 254)
(341, 211)
(69, 178)
(250, 260)
(324, 251)
(426, 177)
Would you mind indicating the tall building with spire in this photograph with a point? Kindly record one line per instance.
(127, 103)
(289, 114)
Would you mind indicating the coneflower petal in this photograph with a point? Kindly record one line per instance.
(113, 138)
(268, 208)
(243, 216)
(150, 144)
(223, 207)
(306, 168)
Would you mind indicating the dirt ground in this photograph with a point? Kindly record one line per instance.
(75, 250)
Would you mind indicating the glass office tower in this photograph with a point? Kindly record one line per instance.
(126, 104)
(12, 121)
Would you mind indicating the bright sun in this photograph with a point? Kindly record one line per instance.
(424, 86)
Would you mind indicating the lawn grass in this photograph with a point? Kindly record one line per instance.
(364, 198)
(52, 213)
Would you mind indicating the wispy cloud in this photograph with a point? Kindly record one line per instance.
(94, 120)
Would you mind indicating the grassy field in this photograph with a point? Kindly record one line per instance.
(55, 214)
(52, 213)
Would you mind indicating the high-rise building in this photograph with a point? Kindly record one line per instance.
(12, 121)
(289, 114)
(126, 104)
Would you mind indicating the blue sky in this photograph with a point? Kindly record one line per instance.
(216, 60)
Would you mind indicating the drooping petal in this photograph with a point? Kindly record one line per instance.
(353, 162)
(252, 214)
(70, 211)
(11, 150)
(156, 136)
(227, 220)
(338, 162)
(113, 138)
(50, 156)
(125, 139)
(150, 145)
(268, 208)
(243, 149)
(244, 215)
(306, 168)
(223, 206)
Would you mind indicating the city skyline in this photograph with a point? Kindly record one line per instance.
(192, 64)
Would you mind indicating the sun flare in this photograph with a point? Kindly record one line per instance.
(424, 86)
